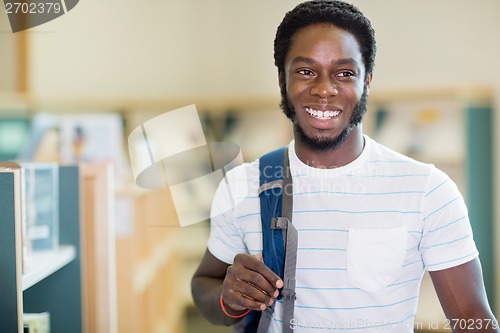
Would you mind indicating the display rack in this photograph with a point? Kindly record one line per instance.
(54, 284)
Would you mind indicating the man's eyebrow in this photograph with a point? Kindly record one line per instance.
(311, 61)
(346, 61)
(307, 60)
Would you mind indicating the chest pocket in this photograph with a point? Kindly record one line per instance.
(375, 257)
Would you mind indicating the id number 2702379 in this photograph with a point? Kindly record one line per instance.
(32, 7)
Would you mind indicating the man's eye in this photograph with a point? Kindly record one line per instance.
(306, 72)
(345, 74)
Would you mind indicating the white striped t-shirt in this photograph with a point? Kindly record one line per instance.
(366, 232)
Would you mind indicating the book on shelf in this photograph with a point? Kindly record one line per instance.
(36, 322)
(40, 207)
(77, 137)
(39, 201)
(41, 204)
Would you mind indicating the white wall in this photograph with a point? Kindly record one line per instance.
(435, 43)
(122, 48)
(9, 81)
(157, 49)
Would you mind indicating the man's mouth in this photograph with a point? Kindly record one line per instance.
(319, 114)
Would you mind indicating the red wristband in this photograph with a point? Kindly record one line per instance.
(229, 315)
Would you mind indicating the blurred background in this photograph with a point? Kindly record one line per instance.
(73, 89)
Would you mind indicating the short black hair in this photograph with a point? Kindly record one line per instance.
(341, 14)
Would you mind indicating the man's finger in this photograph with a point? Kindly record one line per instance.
(254, 264)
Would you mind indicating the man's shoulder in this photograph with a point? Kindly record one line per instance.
(247, 171)
(385, 156)
(252, 167)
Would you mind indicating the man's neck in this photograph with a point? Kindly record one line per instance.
(342, 155)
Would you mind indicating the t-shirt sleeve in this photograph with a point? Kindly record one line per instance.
(447, 238)
(226, 239)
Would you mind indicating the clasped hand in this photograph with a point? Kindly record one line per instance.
(250, 284)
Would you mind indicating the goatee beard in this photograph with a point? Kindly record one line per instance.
(325, 143)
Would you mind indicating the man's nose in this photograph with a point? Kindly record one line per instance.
(324, 87)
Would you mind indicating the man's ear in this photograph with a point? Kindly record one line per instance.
(368, 82)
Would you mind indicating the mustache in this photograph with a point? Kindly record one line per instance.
(325, 143)
(357, 115)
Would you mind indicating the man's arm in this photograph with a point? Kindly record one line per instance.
(246, 284)
(462, 295)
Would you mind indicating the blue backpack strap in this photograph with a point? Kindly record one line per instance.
(271, 169)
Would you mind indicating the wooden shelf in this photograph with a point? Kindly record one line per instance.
(98, 248)
(148, 270)
(44, 264)
(149, 262)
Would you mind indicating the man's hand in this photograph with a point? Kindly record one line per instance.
(250, 284)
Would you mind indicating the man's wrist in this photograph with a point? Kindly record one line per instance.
(230, 312)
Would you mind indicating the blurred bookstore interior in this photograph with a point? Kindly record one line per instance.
(85, 249)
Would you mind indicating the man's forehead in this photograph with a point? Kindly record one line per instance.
(324, 36)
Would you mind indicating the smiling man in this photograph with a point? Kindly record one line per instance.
(369, 221)
(325, 85)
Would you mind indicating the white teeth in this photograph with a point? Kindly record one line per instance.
(322, 114)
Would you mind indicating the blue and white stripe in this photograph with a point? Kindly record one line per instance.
(381, 191)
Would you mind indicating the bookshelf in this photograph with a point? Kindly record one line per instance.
(54, 284)
(45, 264)
(98, 248)
(148, 262)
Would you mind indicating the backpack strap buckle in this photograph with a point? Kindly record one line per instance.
(279, 223)
(289, 294)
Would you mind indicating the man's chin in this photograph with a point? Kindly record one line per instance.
(320, 143)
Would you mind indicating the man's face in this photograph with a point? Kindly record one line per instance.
(325, 85)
